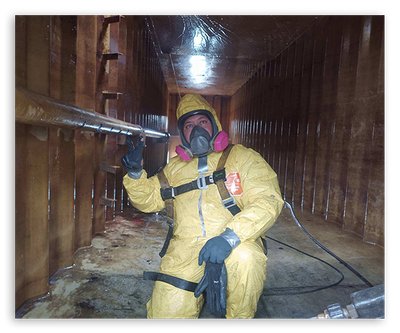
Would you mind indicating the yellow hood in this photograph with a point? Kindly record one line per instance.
(194, 102)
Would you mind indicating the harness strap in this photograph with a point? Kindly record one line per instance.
(169, 205)
(227, 200)
(224, 157)
(167, 240)
(168, 193)
(176, 282)
(199, 183)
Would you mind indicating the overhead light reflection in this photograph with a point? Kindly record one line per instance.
(198, 39)
(199, 67)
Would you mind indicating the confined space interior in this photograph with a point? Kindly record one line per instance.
(306, 92)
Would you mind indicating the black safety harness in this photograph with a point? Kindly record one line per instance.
(168, 194)
(218, 177)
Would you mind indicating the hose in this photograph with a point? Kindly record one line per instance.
(308, 291)
(369, 284)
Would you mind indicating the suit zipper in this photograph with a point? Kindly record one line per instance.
(202, 167)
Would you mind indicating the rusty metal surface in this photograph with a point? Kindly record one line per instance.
(62, 153)
(316, 114)
(32, 167)
(106, 280)
(321, 129)
(215, 55)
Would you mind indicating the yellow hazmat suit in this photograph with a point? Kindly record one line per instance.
(199, 216)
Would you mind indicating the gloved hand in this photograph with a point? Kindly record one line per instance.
(133, 160)
(216, 250)
(214, 281)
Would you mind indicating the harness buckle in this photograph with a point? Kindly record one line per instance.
(228, 203)
(167, 193)
(201, 182)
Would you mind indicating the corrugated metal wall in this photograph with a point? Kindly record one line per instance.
(316, 114)
(62, 193)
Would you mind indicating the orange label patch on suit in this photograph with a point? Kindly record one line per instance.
(233, 183)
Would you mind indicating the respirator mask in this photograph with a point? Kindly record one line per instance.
(201, 142)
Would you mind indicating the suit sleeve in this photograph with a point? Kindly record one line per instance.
(144, 193)
(261, 201)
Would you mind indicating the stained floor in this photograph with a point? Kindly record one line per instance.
(106, 278)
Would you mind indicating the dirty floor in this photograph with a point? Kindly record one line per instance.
(106, 278)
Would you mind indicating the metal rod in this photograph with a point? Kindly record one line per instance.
(36, 109)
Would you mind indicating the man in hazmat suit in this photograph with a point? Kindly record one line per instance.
(224, 199)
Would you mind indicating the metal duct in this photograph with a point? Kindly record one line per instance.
(36, 109)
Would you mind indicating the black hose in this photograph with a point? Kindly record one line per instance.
(308, 291)
(369, 284)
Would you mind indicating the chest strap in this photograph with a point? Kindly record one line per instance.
(200, 183)
(168, 193)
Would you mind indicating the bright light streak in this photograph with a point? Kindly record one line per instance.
(199, 67)
(198, 39)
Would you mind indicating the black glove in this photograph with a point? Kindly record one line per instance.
(214, 282)
(132, 161)
(216, 250)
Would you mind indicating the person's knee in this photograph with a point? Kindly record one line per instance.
(248, 255)
(168, 301)
(246, 267)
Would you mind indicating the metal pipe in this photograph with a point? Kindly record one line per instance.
(36, 109)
